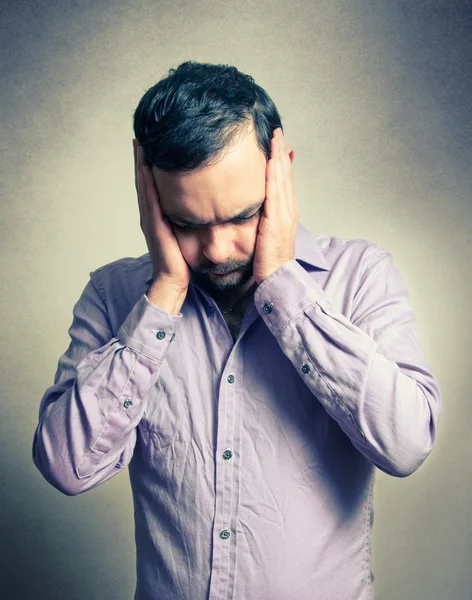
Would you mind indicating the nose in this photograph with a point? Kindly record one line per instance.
(218, 245)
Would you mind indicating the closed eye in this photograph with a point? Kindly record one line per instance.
(237, 220)
(243, 219)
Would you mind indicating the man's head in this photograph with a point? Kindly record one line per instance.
(206, 131)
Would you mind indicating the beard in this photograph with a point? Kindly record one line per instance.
(209, 278)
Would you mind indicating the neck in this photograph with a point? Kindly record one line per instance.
(229, 299)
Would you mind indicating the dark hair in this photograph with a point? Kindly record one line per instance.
(187, 119)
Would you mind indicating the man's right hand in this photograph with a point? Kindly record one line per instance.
(171, 273)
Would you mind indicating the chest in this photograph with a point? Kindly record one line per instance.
(208, 390)
(234, 319)
(212, 394)
(234, 324)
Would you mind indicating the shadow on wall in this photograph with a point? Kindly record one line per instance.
(48, 556)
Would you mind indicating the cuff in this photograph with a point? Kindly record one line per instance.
(284, 294)
(149, 329)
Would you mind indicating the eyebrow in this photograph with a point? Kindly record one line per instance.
(192, 223)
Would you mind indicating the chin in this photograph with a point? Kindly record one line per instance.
(224, 283)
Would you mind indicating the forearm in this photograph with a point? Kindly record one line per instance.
(89, 430)
(388, 408)
(88, 418)
(390, 416)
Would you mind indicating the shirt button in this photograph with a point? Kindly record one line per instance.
(227, 454)
(230, 378)
(225, 534)
(267, 308)
(305, 369)
(127, 403)
(161, 335)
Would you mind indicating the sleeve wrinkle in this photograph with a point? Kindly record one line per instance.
(84, 427)
(366, 369)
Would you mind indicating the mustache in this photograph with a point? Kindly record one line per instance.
(218, 269)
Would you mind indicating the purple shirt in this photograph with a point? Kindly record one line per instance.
(251, 463)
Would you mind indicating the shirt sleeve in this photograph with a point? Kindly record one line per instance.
(368, 371)
(87, 419)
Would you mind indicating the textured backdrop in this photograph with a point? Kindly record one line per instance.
(375, 98)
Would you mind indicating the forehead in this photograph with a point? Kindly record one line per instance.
(217, 192)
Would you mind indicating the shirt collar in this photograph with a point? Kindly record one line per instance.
(306, 251)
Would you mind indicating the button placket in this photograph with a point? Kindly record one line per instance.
(227, 478)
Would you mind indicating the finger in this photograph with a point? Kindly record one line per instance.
(271, 188)
(139, 171)
(271, 174)
(284, 166)
(283, 192)
(276, 169)
(141, 188)
(135, 149)
(157, 218)
(149, 184)
(279, 169)
(273, 144)
(283, 152)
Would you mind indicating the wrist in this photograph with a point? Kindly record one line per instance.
(166, 297)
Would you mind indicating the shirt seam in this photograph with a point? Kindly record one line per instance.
(363, 269)
(367, 533)
(141, 343)
(328, 385)
(95, 279)
(93, 447)
(303, 306)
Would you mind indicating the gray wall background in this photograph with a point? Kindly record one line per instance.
(375, 99)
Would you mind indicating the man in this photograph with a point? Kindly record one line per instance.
(249, 373)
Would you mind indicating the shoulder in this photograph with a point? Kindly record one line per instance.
(128, 272)
(124, 264)
(334, 252)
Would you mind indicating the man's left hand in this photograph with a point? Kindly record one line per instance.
(275, 244)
